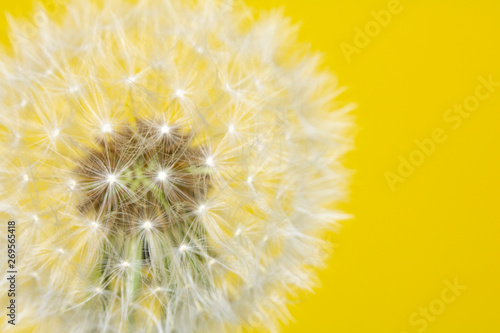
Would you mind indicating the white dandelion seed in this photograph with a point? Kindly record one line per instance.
(209, 161)
(73, 89)
(71, 184)
(202, 209)
(165, 129)
(179, 93)
(55, 133)
(106, 128)
(131, 79)
(162, 176)
(111, 179)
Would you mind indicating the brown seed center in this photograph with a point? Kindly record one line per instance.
(147, 170)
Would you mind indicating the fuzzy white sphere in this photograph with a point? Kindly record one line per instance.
(172, 166)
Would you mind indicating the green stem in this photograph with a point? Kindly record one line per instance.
(133, 280)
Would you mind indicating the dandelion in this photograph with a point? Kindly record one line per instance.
(174, 166)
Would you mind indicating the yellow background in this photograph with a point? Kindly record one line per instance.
(443, 222)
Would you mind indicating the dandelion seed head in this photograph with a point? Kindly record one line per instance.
(200, 186)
